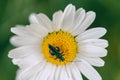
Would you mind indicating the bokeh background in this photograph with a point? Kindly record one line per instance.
(13, 12)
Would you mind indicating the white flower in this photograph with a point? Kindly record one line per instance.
(61, 49)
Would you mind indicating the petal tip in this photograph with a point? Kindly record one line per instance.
(103, 30)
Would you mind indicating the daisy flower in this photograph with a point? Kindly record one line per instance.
(61, 49)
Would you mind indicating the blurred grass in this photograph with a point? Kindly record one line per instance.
(13, 12)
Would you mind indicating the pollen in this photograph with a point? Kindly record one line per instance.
(59, 47)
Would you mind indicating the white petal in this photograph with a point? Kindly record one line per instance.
(38, 30)
(57, 73)
(30, 60)
(68, 70)
(41, 19)
(92, 34)
(45, 73)
(27, 32)
(89, 18)
(64, 75)
(57, 20)
(33, 19)
(68, 17)
(22, 41)
(28, 73)
(24, 51)
(21, 31)
(79, 17)
(94, 61)
(32, 77)
(53, 70)
(26, 56)
(92, 51)
(17, 74)
(88, 71)
(75, 72)
(96, 42)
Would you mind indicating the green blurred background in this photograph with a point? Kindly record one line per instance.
(13, 12)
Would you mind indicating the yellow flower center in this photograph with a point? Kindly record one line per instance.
(59, 47)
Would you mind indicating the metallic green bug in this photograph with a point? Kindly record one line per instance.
(56, 52)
